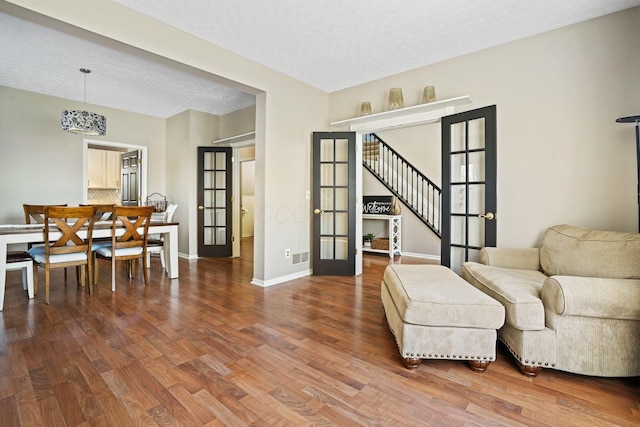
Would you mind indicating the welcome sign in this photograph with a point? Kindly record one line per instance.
(378, 205)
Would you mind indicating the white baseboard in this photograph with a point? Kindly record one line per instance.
(187, 256)
(424, 256)
(281, 279)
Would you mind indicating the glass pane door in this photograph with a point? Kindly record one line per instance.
(334, 203)
(214, 206)
(469, 182)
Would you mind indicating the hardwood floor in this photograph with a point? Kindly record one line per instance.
(211, 349)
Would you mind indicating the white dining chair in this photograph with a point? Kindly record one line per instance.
(156, 241)
(20, 261)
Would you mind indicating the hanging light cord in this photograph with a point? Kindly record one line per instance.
(85, 71)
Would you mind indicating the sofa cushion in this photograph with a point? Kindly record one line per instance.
(520, 258)
(518, 291)
(574, 251)
(592, 297)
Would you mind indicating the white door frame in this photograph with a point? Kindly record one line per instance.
(237, 196)
(129, 147)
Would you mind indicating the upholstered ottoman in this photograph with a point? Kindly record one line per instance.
(435, 314)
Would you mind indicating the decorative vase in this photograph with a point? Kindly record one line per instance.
(365, 108)
(396, 209)
(429, 94)
(395, 98)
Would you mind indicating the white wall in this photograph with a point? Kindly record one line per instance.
(562, 158)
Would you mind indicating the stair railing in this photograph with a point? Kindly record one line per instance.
(407, 183)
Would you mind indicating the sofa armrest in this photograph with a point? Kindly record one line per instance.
(517, 258)
(592, 297)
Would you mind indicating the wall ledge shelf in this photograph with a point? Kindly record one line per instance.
(235, 139)
(414, 115)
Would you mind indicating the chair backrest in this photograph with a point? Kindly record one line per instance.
(34, 214)
(171, 209)
(131, 218)
(69, 221)
(103, 211)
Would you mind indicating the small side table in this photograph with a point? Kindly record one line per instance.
(394, 230)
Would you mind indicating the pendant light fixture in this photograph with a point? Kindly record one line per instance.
(84, 122)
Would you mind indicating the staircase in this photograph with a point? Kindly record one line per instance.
(409, 185)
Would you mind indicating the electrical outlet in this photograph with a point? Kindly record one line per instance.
(287, 253)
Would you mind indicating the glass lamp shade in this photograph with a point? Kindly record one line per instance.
(84, 122)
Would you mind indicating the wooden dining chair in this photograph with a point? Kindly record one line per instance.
(156, 241)
(103, 213)
(132, 244)
(103, 210)
(69, 249)
(34, 214)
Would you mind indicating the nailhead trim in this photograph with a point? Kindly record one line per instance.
(525, 362)
(441, 356)
(449, 356)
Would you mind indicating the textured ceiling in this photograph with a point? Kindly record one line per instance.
(43, 60)
(335, 44)
(329, 44)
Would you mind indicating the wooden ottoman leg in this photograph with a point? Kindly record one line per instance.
(411, 362)
(478, 365)
(529, 371)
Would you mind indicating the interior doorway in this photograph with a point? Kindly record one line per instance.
(243, 190)
(247, 196)
(113, 146)
(245, 218)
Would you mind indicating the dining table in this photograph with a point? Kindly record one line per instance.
(34, 233)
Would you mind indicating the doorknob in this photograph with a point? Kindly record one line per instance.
(317, 211)
(489, 216)
(201, 207)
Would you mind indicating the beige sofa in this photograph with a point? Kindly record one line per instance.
(571, 305)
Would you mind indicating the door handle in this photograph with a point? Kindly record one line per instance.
(201, 207)
(488, 216)
(317, 211)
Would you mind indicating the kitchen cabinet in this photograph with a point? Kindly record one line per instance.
(103, 168)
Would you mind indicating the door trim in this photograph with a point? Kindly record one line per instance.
(109, 144)
(236, 143)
